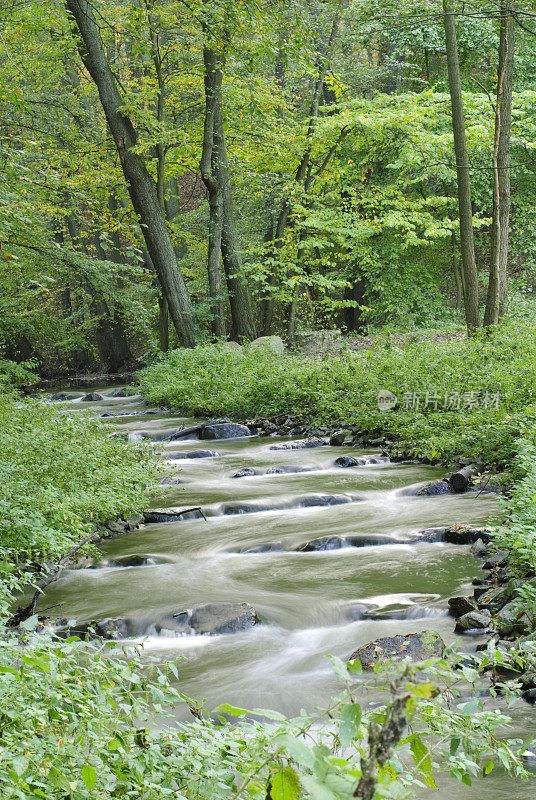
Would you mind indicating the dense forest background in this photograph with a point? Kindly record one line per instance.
(177, 172)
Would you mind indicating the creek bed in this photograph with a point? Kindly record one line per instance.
(310, 604)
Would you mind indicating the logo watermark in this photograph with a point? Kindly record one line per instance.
(438, 401)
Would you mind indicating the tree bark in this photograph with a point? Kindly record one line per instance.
(141, 185)
(213, 80)
(470, 274)
(496, 296)
(217, 178)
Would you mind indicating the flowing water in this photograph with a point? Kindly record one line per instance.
(310, 604)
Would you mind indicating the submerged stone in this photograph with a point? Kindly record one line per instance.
(192, 454)
(303, 445)
(210, 619)
(417, 646)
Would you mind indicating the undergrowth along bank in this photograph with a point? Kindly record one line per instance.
(472, 397)
(60, 475)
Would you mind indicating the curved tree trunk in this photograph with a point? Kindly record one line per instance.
(141, 185)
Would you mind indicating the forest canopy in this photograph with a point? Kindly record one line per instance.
(180, 172)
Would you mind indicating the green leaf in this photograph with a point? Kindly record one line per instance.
(488, 766)
(454, 744)
(59, 780)
(89, 776)
(225, 708)
(339, 668)
(350, 721)
(354, 666)
(283, 785)
(297, 749)
(422, 759)
(30, 624)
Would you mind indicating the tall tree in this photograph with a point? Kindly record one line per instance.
(501, 169)
(467, 247)
(216, 176)
(141, 185)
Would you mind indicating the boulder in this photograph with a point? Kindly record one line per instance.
(500, 559)
(496, 598)
(511, 620)
(458, 606)
(339, 438)
(460, 534)
(64, 396)
(270, 344)
(267, 547)
(122, 392)
(315, 343)
(305, 444)
(102, 629)
(138, 560)
(245, 472)
(170, 480)
(323, 543)
(417, 646)
(116, 526)
(479, 549)
(314, 500)
(435, 488)
(224, 430)
(170, 514)
(473, 621)
(192, 454)
(210, 619)
(92, 397)
(346, 461)
(287, 470)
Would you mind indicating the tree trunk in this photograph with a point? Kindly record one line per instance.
(217, 178)
(470, 274)
(213, 88)
(501, 170)
(141, 185)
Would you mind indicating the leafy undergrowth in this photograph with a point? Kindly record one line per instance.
(78, 722)
(472, 397)
(61, 474)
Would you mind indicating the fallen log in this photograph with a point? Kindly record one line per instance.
(461, 479)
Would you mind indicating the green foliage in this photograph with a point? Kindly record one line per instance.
(60, 474)
(78, 721)
(344, 389)
(15, 375)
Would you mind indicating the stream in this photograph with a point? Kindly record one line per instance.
(310, 604)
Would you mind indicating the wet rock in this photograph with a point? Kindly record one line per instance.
(338, 438)
(460, 534)
(474, 620)
(496, 598)
(322, 544)
(138, 560)
(305, 444)
(116, 526)
(65, 396)
(245, 472)
(433, 534)
(529, 696)
(459, 606)
(230, 509)
(323, 500)
(192, 454)
(270, 344)
(92, 397)
(224, 430)
(479, 549)
(498, 560)
(170, 515)
(267, 547)
(418, 646)
(210, 619)
(287, 470)
(119, 392)
(346, 461)
(358, 611)
(111, 629)
(170, 480)
(511, 620)
(435, 488)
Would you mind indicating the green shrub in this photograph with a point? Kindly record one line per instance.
(343, 390)
(60, 474)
